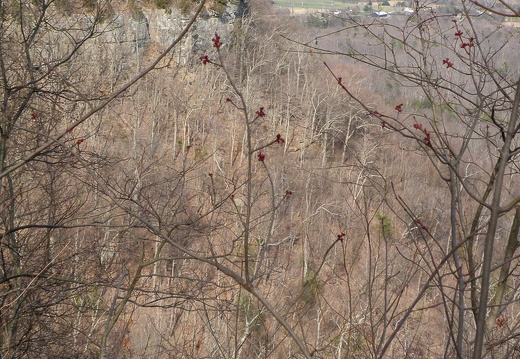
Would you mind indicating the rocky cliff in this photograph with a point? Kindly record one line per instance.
(135, 31)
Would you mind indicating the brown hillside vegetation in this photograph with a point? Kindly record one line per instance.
(275, 190)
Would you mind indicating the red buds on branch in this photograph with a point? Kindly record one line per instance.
(216, 41)
(447, 62)
(260, 113)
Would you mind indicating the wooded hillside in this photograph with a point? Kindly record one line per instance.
(279, 189)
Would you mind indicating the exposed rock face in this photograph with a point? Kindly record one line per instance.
(165, 27)
(132, 32)
(136, 31)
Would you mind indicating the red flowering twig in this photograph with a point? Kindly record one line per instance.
(447, 62)
(216, 41)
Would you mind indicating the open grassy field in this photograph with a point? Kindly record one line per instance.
(324, 4)
(314, 4)
(318, 4)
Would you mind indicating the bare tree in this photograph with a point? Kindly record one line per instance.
(461, 109)
(58, 257)
(256, 202)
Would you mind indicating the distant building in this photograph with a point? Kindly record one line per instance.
(379, 14)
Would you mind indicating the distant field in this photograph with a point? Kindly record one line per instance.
(317, 4)
(313, 4)
(338, 5)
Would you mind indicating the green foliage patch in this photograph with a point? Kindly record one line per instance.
(162, 4)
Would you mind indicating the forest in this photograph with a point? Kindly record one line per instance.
(227, 179)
